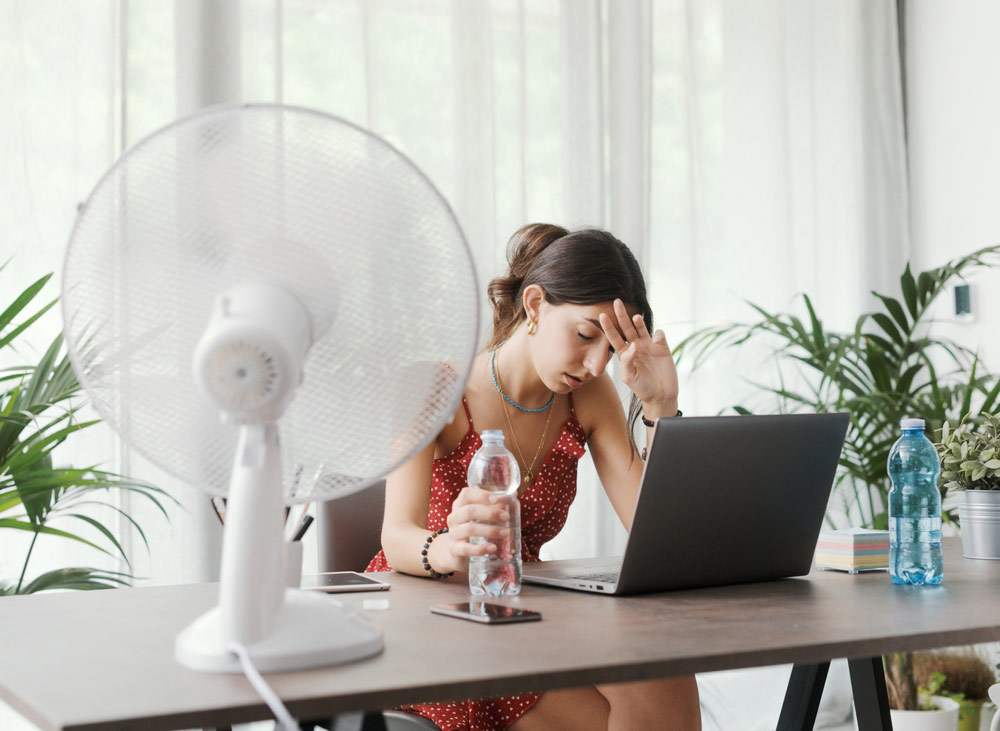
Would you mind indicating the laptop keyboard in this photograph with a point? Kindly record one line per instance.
(608, 578)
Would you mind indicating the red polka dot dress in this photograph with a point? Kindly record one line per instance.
(544, 507)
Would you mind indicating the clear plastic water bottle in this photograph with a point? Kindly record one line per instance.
(914, 508)
(494, 469)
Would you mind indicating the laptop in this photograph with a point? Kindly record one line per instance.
(723, 500)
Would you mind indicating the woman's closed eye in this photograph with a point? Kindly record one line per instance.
(588, 338)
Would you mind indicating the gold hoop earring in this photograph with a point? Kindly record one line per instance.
(531, 327)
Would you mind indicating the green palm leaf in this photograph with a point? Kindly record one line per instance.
(77, 578)
(890, 366)
(38, 413)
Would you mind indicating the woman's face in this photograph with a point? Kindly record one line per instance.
(569, 346)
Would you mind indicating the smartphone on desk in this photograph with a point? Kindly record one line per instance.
(334, 582)
(479, 611)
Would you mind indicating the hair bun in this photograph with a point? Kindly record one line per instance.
(503, 289)
(522, 251)
(527, 243)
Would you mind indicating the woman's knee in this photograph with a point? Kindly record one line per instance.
(576, 709)
(666, 698)
(668, 703)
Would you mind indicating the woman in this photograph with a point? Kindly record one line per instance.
(568, 304)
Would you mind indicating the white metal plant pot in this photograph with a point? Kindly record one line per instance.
(979, 516)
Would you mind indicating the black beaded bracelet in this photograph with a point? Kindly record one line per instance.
(423, 555)
(651, 424)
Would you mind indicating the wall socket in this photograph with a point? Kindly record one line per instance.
(963, 303)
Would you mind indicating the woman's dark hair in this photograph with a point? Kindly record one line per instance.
(585, 267)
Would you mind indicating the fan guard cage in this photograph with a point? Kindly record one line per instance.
(302, 199)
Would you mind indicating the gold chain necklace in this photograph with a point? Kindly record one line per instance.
(529, 473)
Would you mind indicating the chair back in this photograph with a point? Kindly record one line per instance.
(350, 534)
(350, 529)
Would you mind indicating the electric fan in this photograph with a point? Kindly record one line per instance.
(265, 270)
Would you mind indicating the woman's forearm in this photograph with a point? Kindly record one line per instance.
(403, 544)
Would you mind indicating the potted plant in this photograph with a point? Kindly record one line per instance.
(970, 465)
(915, 707)
(39, 411)
(962, 676)
(887, 367)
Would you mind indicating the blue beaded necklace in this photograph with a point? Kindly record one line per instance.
(508, 399)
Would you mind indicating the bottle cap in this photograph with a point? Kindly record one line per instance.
(912, 424)
(493, 435)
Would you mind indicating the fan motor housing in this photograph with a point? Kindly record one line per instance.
(249, 360)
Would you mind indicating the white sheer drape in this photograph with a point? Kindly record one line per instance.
(772, 162)
(744, 149)
(58, 131)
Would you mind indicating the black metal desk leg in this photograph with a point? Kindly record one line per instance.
(369, 721)
(374, 721)
(871, 702)
(805, 688)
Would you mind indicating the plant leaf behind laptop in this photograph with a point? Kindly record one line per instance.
(887, 367)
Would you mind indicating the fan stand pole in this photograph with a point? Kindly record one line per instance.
(283, 629)
(252, 577)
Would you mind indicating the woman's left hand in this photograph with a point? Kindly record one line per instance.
(647, 366)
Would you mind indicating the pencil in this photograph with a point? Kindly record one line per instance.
(220, 514)
(306, 522)
(292, 526)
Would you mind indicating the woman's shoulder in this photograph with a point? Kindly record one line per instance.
(461, 424)
(595, 401)
(453, 372)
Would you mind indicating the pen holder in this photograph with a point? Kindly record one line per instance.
(293, 564)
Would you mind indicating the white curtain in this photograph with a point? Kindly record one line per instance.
(743, 149)
(58, 132)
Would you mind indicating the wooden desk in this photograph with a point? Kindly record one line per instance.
(104, 659)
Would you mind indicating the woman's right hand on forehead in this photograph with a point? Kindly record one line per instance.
(471, 514)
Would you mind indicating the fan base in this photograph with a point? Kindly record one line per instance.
(311, 630)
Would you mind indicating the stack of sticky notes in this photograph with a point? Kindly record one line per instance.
(853, 550)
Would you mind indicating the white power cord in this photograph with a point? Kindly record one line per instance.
(285, 720)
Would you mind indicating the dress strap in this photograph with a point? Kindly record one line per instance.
(569, 396)
(468, 414)
(465, 404)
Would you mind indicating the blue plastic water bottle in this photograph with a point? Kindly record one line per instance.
(914, 508)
